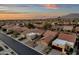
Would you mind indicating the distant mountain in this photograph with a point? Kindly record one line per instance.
(72, 15)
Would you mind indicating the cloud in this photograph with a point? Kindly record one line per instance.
(51, 6)
(14, 7)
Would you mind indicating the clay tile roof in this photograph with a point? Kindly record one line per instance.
(67, 37)
(48, 33)
(48, 36)
(15, 28)
(25, 32)
(19, 29)
(7, 26)
(47, 39)
(24, 28)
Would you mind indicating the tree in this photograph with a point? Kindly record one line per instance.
(22, 38)
(10, 31)
(69, 49)
(30, 25)
(15, 34)
(77, 38)
(75, 21)
(47, 25)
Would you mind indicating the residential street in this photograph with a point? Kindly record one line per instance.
(17, 46)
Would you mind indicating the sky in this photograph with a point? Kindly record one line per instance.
(39, 10)
(42, 8)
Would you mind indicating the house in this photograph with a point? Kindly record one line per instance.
(57, 27)
(31, 36)
(36, 30)
(7, 27)
(39, 32)
(49, 32)
(68, 28)
(18, 29)
(66, 22)
(64, 40)
(48, 37)
(77, 29)
(40, 26)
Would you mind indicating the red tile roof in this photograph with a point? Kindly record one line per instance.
(7, 26)
(49, 36)
(49, 33)
(19, 29)
(47, 39)
(67, 37)
(15, 28)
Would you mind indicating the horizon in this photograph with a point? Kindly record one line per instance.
(36, 11)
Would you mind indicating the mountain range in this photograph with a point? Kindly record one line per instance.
(72, 15)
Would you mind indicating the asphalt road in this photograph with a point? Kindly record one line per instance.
(18, 47)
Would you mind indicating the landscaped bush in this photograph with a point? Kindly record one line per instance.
(1, 49)
(22, 38)
(16, 34)
(4, 30)
(47, 25)
(10, 32)
(30, 25)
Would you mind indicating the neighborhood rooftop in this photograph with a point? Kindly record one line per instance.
(67, 37)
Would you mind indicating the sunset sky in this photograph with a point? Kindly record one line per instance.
(36, 10)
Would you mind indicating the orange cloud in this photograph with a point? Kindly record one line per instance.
(20, 16)
(50, 6)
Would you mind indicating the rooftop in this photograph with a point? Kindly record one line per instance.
(40, 31)
(77, 29)
(15, 28)
(67, 37)
(67, 27)
(50, 33)
(47, 39)
(36, 30)
(49, 36)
